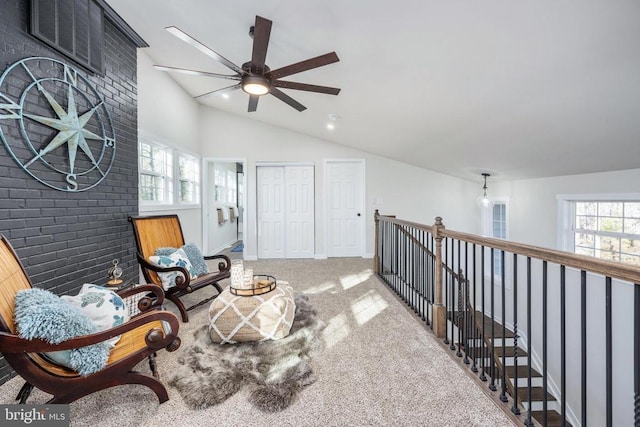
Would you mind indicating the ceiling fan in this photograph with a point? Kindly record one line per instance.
(255, 77)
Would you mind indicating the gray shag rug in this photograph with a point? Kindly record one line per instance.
(275, 371)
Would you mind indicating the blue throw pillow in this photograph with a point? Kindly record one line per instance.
(42, 314)
(196, 259)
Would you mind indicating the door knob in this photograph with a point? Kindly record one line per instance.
(358, 213)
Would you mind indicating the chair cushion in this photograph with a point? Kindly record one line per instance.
(42, 314)
(176, 259)
(234, 318)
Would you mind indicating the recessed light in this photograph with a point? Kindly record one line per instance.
(331, 126)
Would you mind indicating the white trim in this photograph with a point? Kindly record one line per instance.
(275, 164)
(204, 170)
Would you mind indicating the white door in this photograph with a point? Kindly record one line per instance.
(299, 213)
(285, 211)
(345, 208)
(271, 213)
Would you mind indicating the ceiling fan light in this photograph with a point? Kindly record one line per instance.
(254, 85)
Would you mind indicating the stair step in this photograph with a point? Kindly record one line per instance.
(510, 351)
(554, 419)
(537, 394)
(523, 372)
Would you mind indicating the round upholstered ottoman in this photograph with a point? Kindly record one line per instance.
(235, 318)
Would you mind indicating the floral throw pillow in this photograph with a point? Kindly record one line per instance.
(104, 307)
(177, 259)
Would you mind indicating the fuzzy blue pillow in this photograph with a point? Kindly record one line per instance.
(198, 264)
(42, 314)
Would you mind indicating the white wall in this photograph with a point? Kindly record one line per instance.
(406, 191)
(533, 204)
(168, 115)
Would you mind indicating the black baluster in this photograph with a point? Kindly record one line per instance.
(563, 346)
(492, 385)
(465, 304)
(515, 408)
(583, 334)
(446, 288)
(529, 421)
(636, 354)
(609, 347)
(503, 394)
(544, 343)
(484, 351)
(474, 326)
(452, 295)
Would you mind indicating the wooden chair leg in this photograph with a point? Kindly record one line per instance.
(181, 307)
(153, 365)
(24, 393)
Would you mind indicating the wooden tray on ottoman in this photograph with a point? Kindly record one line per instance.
(261, 283)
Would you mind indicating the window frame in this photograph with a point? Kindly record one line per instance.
(567, 227)
(171, 177)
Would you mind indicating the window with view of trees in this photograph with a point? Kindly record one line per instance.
(164, 172)
(154, 173)
(188, 179)
(608, 230)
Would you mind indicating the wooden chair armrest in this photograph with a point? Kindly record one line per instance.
(145, 303)
(222, 266)
(10, 343)
(181, 282)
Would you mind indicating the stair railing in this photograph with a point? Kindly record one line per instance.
(556, 334)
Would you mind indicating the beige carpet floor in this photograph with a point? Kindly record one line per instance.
(380, 367)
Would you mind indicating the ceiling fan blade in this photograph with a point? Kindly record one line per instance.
(307, 87)
(253, 103)
(298, 67)
(197, 73)
(261, 34)
(287, 99)
(204, 49)
(220, 91)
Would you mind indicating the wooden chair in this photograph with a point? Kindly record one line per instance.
(140, 338)
(162, 231)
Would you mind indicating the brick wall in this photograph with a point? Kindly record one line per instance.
(65, 239)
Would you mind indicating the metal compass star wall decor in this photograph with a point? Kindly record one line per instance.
(55, 124)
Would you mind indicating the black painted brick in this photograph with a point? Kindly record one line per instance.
(66, 239)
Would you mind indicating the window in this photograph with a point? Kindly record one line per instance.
(607, 229)
(155, 171)
(495, 221)
(188, 179)
(499, 230)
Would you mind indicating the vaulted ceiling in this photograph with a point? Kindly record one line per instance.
(519, 89)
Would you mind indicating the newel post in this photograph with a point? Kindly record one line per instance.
(439, 310)
(376, 258)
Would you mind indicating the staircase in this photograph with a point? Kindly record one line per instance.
(482, 350)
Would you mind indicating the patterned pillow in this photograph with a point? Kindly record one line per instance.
(104, 307)
(196, 259)
(176, 259)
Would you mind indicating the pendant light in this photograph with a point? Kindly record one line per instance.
(485, 201)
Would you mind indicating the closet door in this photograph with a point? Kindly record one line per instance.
(271, 213)
(286, 212)
(299, 212)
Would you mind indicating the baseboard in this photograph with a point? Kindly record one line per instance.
(320, 256)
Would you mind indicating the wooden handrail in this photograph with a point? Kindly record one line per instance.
(611, 269)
